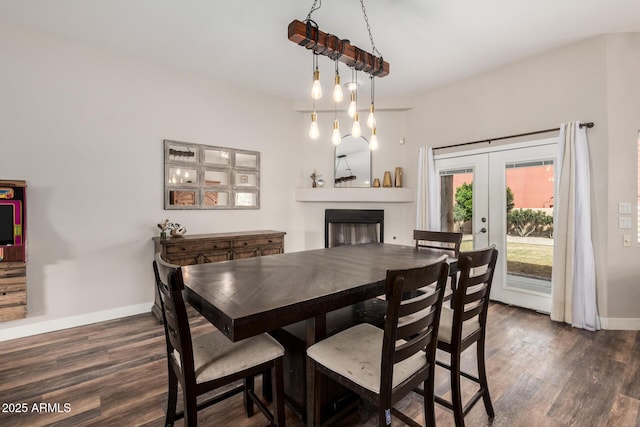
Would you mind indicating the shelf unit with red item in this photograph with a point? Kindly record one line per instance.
(13, 250)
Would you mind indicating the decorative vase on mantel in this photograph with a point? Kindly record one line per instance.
(386, 180)
(398, 182)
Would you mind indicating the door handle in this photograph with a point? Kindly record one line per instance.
(482, 230)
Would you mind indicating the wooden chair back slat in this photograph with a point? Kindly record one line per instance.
(411, 324)
(448, 242)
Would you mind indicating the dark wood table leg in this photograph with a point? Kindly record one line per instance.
(316, 329)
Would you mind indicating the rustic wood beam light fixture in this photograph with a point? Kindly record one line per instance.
(312, 38)
(308, 34)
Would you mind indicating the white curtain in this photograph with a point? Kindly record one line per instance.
(428, 200)
(574, 276)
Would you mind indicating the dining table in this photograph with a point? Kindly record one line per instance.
(299, 297)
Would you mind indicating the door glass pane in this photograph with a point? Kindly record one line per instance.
(456, 204)
(529, 205)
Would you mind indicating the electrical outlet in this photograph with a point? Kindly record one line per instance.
(626, 240)
(624, 222)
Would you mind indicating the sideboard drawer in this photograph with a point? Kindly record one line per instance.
(197, 246)
(198, 258)
(258, 242)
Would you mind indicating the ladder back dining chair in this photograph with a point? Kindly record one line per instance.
(204, 363)
(465, 324)
(382, 366)
(448, 242)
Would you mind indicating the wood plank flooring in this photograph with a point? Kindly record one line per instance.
(114, 374)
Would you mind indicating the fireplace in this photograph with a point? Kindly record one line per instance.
(353, 226)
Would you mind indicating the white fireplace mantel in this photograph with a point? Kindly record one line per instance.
(369, 195)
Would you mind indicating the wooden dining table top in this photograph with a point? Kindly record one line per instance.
(246, 297)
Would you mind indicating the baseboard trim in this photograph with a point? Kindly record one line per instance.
(620, 323)
(72, 321)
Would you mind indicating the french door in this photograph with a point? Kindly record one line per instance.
(505, 196)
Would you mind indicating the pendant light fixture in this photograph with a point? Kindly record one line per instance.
(335, 135)
(353, 87)
(337, 89)
(371, 120)
(373, 141)
(356, 131)
(316, 88)
(314, 132)
(336, 139)
(308, 34)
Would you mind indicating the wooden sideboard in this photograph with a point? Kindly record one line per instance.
(204, 248)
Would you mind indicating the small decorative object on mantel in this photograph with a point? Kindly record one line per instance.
(386, 181)
(314, 179)
(398, 182)
(376, 183)
(321, 182)
(175, 229)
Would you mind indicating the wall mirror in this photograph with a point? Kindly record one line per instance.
(205, 177)
(352, 163)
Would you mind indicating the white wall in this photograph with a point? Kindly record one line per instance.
(593, 80)
(84, 127)
(623, 97)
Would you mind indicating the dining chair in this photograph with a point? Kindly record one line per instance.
(204, 363)
(464, 325)
(447, 242)
(382, 366)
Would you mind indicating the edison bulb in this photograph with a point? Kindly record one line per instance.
(335, 135)
(356, 132)
(316, 89)
(352, 105)
(373, 141)
(337, 91)
(371, 120)
(314, 133)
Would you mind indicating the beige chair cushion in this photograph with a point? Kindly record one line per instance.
(215, 356)
(356, 354)
(446, 322)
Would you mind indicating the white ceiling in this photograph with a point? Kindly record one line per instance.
(428, 43)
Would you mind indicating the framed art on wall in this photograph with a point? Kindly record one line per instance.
(200, 176)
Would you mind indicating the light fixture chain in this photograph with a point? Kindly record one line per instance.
(313, 8)
(366, 20)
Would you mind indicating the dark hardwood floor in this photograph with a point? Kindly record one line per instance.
(114, 373)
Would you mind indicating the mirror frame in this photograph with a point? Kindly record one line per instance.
(187, 156)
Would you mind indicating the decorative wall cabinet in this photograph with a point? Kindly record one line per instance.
(204, 248)
(206, 177)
